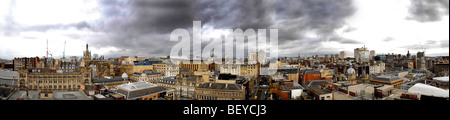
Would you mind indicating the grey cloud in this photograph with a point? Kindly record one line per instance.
(343, 40)
(388, 39)
(429, 44)
(428, 10)
(444, 44)
(10, 28)
(44, 28)
(292, 17)
(142, 27)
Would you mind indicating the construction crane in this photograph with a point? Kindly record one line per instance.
(422, 47)
(64, 52)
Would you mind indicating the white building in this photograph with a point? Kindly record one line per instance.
(342, 55)
(172, 70)
(234, 69)
(377, 68)
(362, 54)
(262, 57)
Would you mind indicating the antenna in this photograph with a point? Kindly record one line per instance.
(47, 48)
(64, 52)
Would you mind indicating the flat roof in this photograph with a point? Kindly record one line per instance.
(318, 90)
(57, 95)
(444, 79)
(70, 95)
(386, 78)
(385, 87)
(220, 86)
(8, 74)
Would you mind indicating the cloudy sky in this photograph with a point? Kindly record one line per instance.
(142, 27)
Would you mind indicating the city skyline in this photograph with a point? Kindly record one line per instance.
(142, 28)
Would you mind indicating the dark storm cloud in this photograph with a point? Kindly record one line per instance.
(344, 40)
(428, 10)
(142, 27)
(292, 17)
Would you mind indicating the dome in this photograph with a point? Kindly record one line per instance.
(351, 71)
(125, 76)
(143, 75)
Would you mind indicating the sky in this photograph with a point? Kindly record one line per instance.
(115, 28)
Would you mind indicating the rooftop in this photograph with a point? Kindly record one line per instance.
(286, 88)
(444, 79)
(220, 86)
(70, 95)
(387, 78)
(168, 80)
(136, 86)
(138, 89)
(312, 72)
(106, 80)
(317, 83)
(57, 95)
(428, 90)
(8, 74)
(385, 87)
(318, 90)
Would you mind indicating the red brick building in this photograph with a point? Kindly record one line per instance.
(311, 75)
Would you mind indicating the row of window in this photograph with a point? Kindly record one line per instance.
(86, 81)
(54, 81)
(53, 86)
(220, 93)
(32, 76)
(212, 98)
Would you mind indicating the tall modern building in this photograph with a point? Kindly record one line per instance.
(342, 55)
(362, 54)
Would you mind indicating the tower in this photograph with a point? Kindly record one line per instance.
(408, 55)
(87, 56)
